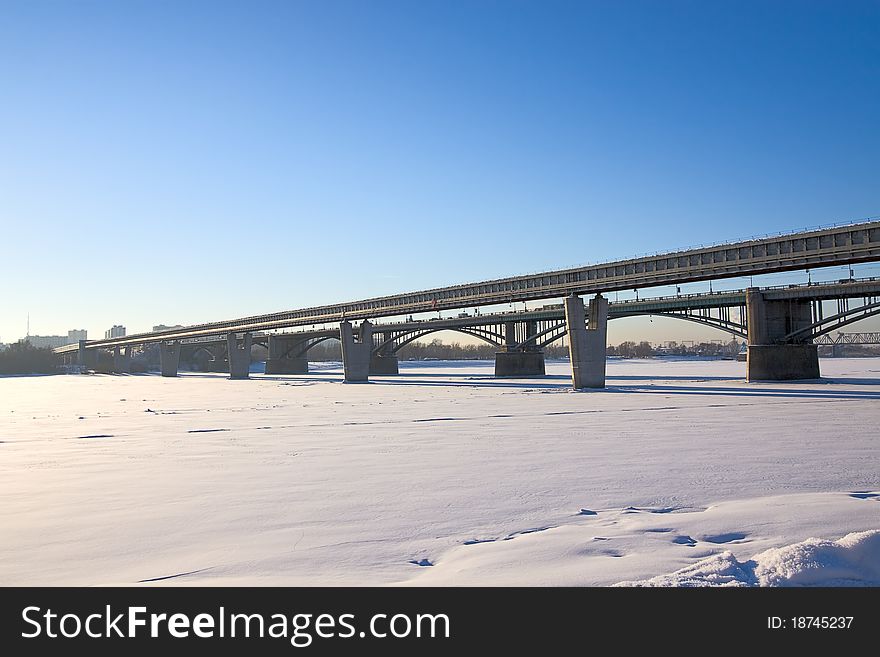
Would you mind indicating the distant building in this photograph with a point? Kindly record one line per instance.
(44, 341)
(51, 341)
(117, 331)
(162, 327)
(75, 335)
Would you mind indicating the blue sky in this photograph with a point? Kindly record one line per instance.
(165, 162)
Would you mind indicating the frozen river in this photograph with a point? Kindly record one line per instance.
(442, 475)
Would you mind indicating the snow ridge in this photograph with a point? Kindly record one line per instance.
(854, 560)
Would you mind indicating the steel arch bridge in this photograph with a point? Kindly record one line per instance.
(537, 329)
(534, 331)
(537, 334)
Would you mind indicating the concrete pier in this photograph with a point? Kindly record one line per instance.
(782, 362)
(384, 361)
(510, 335)
(239, 354)
(519, 363)
(356, 351)
(87, 359)
(587, 345)
(516, 359)
(281, 359)
(769, 357)
(385, 364)
(169, 358)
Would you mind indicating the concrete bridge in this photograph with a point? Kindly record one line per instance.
(841, 245)
(780, 324)
(784, 322)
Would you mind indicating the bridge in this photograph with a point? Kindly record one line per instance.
(780, 324)
(849, 338)
(839, 341)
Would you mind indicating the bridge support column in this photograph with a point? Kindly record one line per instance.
(239, 354)
(509, 335)
(519, 363)
(86, 358)
(169, 358)
(587, 346)
(279, 360)
(384, 364)
(121, 360)
(356, 351)
(515, 360)
(768, 357)
(383, 360)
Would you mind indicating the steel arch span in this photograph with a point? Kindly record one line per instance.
(395, 344)
(827, 324)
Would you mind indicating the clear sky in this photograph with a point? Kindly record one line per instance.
(177, 162)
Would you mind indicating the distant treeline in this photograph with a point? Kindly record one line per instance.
(646, 350)
(22, 358)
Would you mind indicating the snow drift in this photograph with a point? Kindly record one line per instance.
(854, 560)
